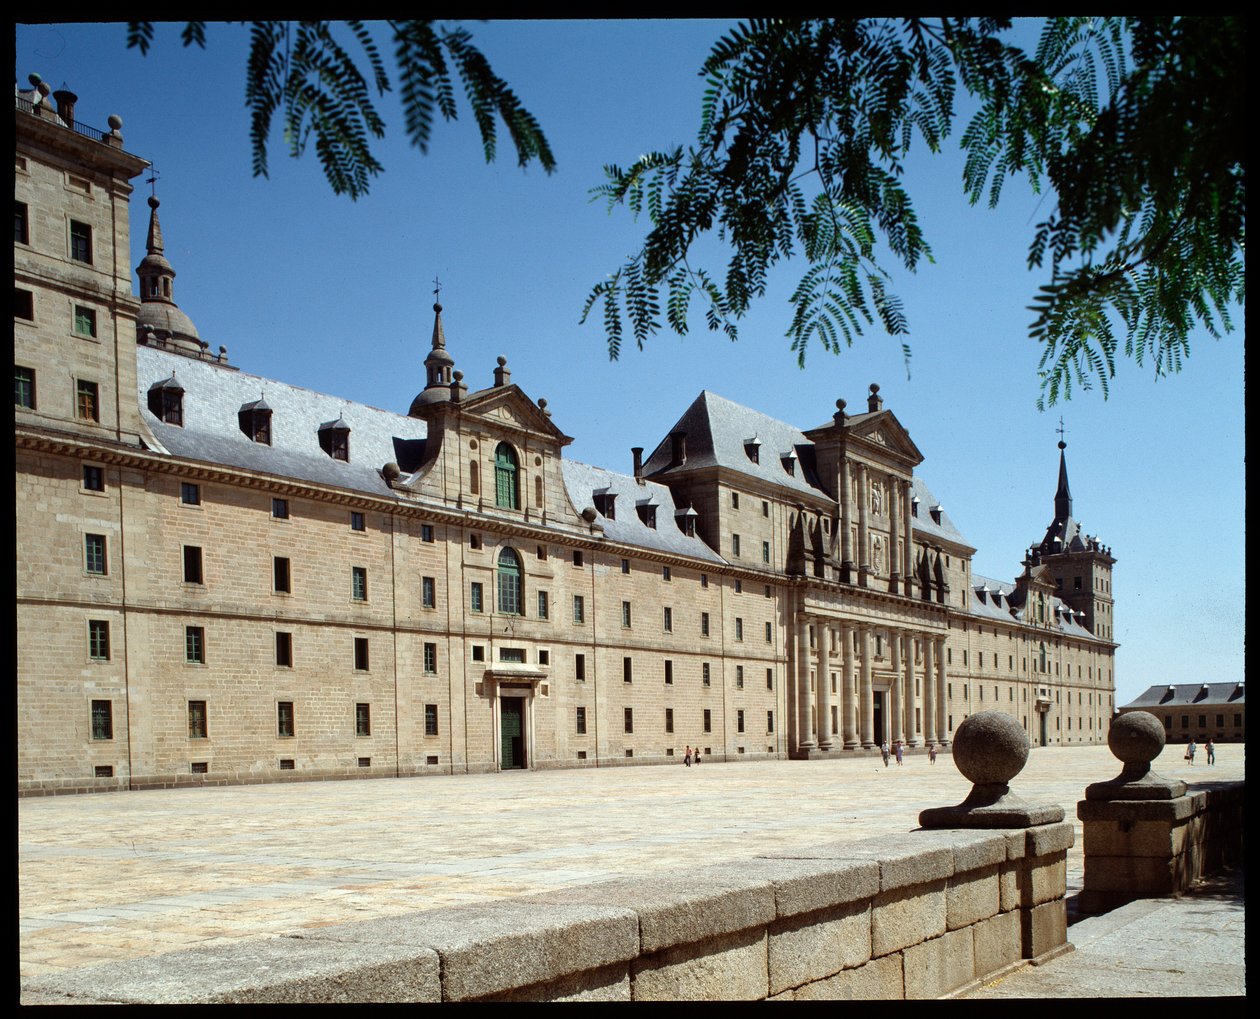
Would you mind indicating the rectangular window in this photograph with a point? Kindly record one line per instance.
(704, 674)
(357, 521)
(474, 542)
(363, 720)
(197, 725)
(478, 652)
(629, 719)
(280, 509)
(284, 650)
(704, 624)
(280, 575)
(84, 321)
(358, 583)
(195, 645)
(102, 720)
(669, 672)
(80, 242)
(21, 224)
(708, 720)
(769, 679)
(285, 727)
(627, 670)
(735, 545)
(426, 533)
(581, 721)
(189, 493)
(669, 620)
(361, 659)
(769, 633)
(98, 640)
(765, 551)
(87, 400)
(430, 719)
(669, 719)
(24, 387)
(23, 304)
(769, 721)
(666, 575)
(93, 478)
(579, 609)
(739, 720)
(543, 605)
(474, 597)
(739, 677)
(739, 628)
(625, 566)
(625, 613)
(577, 557)
(192, 565)
(428, 593)
(704, 580)
(739, 586)
(430, 659)
(579, 667)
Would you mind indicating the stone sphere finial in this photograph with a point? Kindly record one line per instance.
(114, 121)
(990, 748)
(1136, 737)
(391, 471)
(589, 514)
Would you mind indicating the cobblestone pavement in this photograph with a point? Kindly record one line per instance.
(121, 875)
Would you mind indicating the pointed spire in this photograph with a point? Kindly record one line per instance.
(160, 320)
(437, 366)
(1063, 495)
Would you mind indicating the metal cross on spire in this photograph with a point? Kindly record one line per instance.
(1061, 430)
(152, 181)
(437, 290)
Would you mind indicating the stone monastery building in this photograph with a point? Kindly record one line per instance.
(223, 578)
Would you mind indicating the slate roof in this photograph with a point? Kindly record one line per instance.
(582, 481)
(988, 609)
(214, 396)
(924, 524)
(1187, 695)
(717, 429)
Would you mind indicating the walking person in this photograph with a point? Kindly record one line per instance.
(1210, 747)
(687, 756)
(932, 754)
(697, 757)
(1190, 749)
(901, 749)
(884, 750)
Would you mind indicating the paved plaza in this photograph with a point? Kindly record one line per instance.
(122, 875)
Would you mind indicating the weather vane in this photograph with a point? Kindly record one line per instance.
(437, 290)
(1061, 430)
(152, 181)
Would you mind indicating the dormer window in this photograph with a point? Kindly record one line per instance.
(687, 524)
(606, 503)
(334, 439)
(166, 401)
(914, 506)
(789, 462)
(936, 512)
(647, 512)
(255, 422)
(752, 447)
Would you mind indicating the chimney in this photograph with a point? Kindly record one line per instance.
(637, 453)
(65, 105)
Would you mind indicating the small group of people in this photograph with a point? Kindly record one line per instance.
(899, 749)
(690, 754)
(1209, 747)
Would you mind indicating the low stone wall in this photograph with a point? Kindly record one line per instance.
(916, 915)
(1142, 848)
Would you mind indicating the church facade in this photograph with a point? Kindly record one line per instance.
(223, 578)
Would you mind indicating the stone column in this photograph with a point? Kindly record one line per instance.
(907, 571)
(894, 535)
(942, 731)
(929, 698)
(912, 737)
(804, 695)
(864, 541)
(848, 703)
(846, 523)
(824, 685)
(865, 695)
(894, 690)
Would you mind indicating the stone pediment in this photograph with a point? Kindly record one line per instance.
(884, 430)
(508, 407)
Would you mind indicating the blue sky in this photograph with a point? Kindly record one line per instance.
(334, 295)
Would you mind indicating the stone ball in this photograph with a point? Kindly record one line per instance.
(391, 471)
(990, 748)
(115, 122)
(1136, 737)
(589, 514)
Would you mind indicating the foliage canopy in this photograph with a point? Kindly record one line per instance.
(1134, 125)
(302, 70)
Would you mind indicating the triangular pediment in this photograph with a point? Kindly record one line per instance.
(509, 407)
(883, 429)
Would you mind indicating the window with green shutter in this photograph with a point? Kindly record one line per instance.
(506, 488)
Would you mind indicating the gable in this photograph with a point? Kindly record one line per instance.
(884, 430)
(508, 407)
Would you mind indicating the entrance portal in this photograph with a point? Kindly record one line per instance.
(880, 733)
(1042, 715)
(512, 733)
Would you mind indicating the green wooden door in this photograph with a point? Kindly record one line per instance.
(512, 733)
